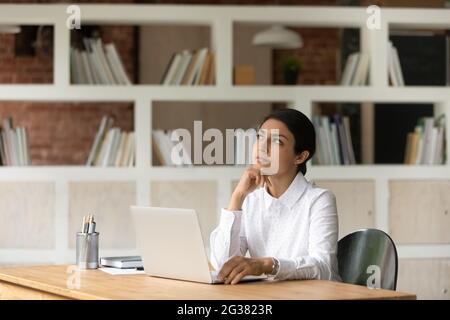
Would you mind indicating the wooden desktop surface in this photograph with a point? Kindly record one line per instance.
(51, 282)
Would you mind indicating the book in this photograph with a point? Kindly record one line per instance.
(394, 66)
(111, 146)
(14, 144)
(181, 146)
(190, 68)
(349, 69)
(104, 126)
(172, 70)
(189, 74)
(205, 69)
(168, 67)
(211, 76)
(111, 48)
(426, 145)
(362, 70)
(97, 46)
(185, 58)
(98, 63)
(125, 262)
(163, 145)
(334, 142)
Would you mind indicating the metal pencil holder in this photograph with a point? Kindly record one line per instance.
(87, 250)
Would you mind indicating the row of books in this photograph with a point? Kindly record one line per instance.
(190, 68)
(14, 145)
(112, 146)
(171, 150)
(97, 64)
(394, 67)
(334, 141)
(426, 145)
(356, 70)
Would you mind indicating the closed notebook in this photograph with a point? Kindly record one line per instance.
(122, 262)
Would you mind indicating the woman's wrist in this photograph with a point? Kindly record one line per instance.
(267, 265)
(236, 201)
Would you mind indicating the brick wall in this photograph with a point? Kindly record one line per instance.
(23, 69)
(319, 57)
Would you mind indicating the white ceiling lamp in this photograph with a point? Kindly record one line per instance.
(9, 29)
(278, 37)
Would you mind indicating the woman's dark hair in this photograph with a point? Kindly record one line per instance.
(301, 128)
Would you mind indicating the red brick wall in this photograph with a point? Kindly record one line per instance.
(23, 69)
(319, 57)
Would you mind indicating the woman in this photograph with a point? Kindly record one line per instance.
(288, 225)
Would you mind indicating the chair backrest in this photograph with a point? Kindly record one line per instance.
(367, 253)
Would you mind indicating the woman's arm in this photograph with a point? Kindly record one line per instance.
(229, 239)
(320, 263)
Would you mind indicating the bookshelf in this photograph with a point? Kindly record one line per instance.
(138, 182)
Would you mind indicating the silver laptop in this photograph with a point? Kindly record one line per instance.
(170, 243)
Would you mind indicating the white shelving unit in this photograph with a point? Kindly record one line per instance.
(221, 20)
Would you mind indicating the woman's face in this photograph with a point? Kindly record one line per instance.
(274, 149)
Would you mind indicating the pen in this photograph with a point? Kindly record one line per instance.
(91, 228)
(88, 225)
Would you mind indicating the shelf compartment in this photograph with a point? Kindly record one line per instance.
(379, 131)
(147, 51)
(322, 57)
(420, 57)
(170, 115)
(26, 57)
(62, 133)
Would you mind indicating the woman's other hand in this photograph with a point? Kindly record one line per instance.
(238, 267)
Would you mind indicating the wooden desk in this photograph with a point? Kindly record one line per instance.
(50, 282)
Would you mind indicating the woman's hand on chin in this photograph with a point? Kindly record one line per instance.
(250, 180)
(238, 267)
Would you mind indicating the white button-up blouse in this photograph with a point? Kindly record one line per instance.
(300, 229)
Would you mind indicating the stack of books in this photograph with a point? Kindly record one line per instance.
(112, 146)
(426, 145)
(170, 149)
(14, 145)
(356, 70)
(334, 141)
(394, 67)
(190, 68)
(97, 64)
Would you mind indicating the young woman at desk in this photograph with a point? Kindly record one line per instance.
(288, 225)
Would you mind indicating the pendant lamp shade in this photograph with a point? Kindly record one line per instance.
(278, 37)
